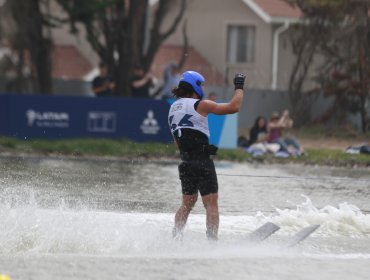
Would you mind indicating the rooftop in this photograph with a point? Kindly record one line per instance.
(274, 11)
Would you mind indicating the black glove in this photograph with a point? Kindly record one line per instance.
(239, 80)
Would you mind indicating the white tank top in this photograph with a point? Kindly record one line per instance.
(183, 115)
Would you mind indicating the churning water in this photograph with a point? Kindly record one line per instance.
(110, 219)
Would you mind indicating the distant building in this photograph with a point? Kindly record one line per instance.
(251, 36)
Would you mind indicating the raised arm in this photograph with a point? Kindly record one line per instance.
(142, 82)
(207, 106)
(285, 121)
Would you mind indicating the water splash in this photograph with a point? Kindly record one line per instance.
(28, 228)
(344, 220)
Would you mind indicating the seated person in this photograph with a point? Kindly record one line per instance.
(276, 127)
(258, 138)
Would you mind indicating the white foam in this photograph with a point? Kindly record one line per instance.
(31, 229)
(344, 220)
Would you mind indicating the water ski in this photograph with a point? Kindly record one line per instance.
(301, 235)
(263, 232)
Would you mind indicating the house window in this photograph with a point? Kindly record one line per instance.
(241, 43)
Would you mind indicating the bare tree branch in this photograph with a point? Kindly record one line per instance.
(117, 32)
(185, 47)
(156, 37)
(176, 22)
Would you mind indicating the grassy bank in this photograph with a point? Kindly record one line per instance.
(132, 150)
(323, 132)
(312, 157)
(97, 147)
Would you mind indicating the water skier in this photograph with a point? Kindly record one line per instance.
(188, 120)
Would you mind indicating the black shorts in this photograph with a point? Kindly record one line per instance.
(198, 175)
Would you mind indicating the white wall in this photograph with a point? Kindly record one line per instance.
(207, 31)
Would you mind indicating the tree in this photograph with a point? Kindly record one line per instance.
(345, 47)
(29, 40)
(117, 31)
(346, 72)
(304, 50)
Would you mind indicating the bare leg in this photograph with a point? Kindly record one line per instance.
(182, 214)
(210, 202)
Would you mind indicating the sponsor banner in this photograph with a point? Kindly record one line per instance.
(150, 124)
(56, 117)
(47, 119)
(74, 117)
(98, 121)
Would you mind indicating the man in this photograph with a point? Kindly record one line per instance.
(141, 82)
(103, 84)
(188, 121)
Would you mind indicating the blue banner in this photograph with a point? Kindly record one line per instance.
(58, 117)
(29, 117)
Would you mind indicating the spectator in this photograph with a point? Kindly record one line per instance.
(258, 132)
(213, 96)
(275, 133)
(103, 84)
(141, 82)
(257, 143)
(171, 78)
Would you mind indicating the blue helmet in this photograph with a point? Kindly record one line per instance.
(196, 80)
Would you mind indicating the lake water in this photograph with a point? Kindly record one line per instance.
(109, 219)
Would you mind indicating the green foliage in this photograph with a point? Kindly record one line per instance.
(128, 149)
(345, 47)
(334, 7)
(9, 142)
(334, 158)
(86, 12)
(233, 155)
(100, 147)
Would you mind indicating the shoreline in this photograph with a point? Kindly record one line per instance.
(129, 151)
(57, 156)
(175, 159)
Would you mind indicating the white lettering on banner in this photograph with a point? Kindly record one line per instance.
(101, 122)
(150, 124)
(47, 119)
